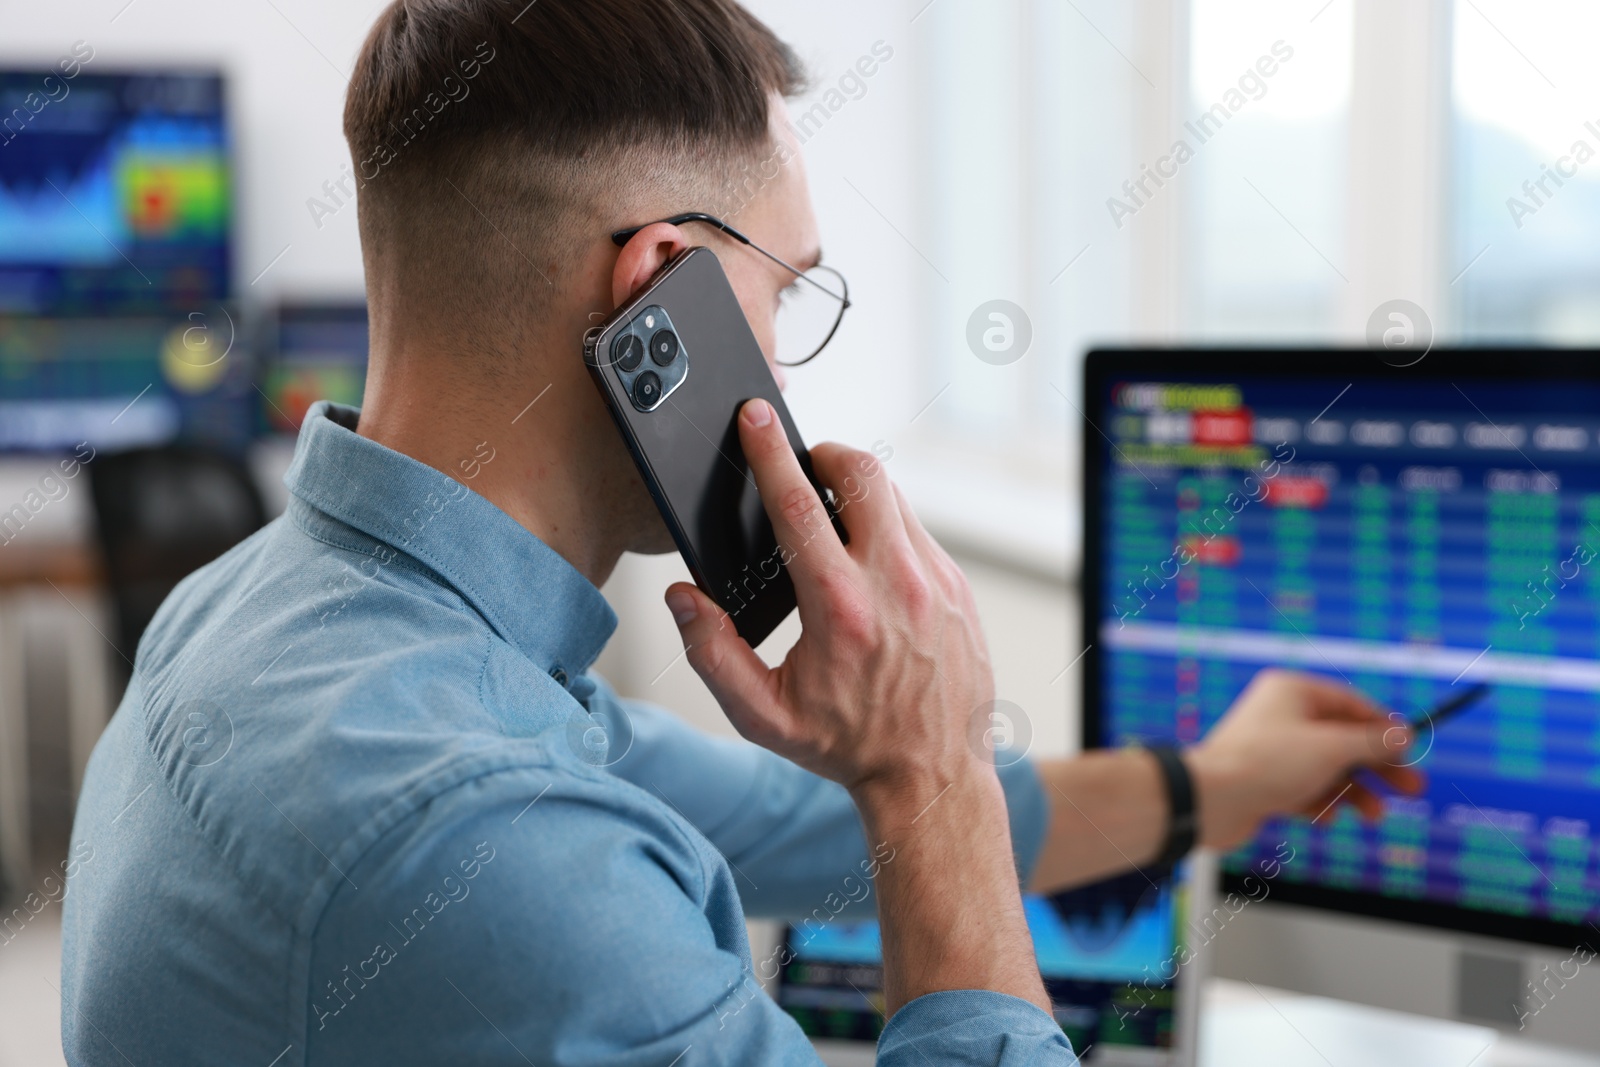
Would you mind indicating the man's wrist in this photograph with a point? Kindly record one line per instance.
(896, 802)
(1219, 798)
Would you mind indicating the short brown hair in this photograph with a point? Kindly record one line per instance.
(486, 133)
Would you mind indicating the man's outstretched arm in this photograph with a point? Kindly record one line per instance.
(1292, 743)
(791, 835)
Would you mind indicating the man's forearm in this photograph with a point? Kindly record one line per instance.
(1290, 743)
(1108, 814)
(948, 901)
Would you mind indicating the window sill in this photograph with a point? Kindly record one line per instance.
(979, 502)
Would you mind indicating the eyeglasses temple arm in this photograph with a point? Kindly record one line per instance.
(622, 237)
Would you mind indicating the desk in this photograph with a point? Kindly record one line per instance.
(1246, 1026)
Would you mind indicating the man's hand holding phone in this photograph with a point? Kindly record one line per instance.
(891, 661)
(877, 695)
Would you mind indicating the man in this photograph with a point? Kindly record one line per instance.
(348, 812)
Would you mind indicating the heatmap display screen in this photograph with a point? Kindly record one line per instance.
(115, 191)
(115, 214)
(1409, 531)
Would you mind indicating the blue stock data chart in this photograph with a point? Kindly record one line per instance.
(1108, 953)
(1412, 536)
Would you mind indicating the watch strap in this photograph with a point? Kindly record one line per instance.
(1183, 823)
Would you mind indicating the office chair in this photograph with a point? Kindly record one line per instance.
(162, 513)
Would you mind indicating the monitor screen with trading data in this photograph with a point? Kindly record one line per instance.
(115, 191)
(1426, 533)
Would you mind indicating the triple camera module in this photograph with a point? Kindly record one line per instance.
(650, 333)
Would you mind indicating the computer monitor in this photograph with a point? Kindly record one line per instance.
(115, 221)
(1112, 957)
(115, 192)
(1411, 531)
(126, 382)
(314, 351)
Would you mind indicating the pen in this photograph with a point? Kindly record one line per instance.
(1450, 708)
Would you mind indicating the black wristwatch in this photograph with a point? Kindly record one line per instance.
(1183, 825)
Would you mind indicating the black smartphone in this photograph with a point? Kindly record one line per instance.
(675, 364)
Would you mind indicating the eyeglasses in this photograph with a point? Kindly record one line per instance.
(810, 312)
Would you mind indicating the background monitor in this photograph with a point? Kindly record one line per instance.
(115, 245)
(1411, 531)
(126, 382)
(315, 351)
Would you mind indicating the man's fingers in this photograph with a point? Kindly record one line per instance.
(935, 555)
(1320, 808)
(1341, 701)
(806, 538)
(1395, 743)
(1347, 791)
(736, 676)
(1364, 800)
(1402, 779)
(1355, 728)
(1379, 745)
(863, 494)
(921, 540)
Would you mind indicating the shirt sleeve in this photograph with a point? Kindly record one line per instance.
(973, 1026)
(533, 917)
(787, 834)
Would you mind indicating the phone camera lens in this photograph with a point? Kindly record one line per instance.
(647, 390)
(664, 347)
(627, 351)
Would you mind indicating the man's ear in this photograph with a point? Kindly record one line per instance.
(645, 253)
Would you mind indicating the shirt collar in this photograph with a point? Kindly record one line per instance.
(529, 594)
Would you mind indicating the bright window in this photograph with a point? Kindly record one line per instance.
(1527, 174)
(1030, 119)
(1269, 92)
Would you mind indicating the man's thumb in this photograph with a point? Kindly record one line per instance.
(1385, 741)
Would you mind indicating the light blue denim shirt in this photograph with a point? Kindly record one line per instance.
(358, 806)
